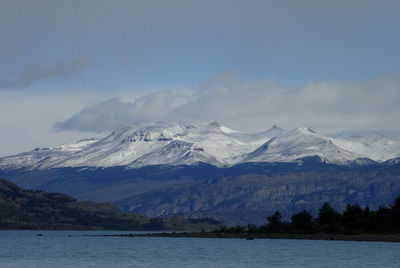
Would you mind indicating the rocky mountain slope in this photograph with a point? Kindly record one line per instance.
(26, 209)
(242, 194)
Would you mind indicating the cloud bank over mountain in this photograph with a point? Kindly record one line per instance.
(330, 106)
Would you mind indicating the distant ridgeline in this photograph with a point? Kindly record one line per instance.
(239, 195)
(24, 209)
(353, 220)
(207, 170)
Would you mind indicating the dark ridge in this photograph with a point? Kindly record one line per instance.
(34, 210)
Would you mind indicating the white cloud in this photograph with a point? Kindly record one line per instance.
(114, 113)
(28, 117)
(328, 106)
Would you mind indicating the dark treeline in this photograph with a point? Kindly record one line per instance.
(353, 220)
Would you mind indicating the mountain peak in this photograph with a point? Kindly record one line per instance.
(275, 127)
(209, 142)
(214, 124)
(304, 129)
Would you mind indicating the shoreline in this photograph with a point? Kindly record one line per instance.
(331, 237)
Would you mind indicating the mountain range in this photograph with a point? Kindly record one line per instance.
(142, 145)
(208, 170)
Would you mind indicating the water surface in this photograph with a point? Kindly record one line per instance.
(72, 249)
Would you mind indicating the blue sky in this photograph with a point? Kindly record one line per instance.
(61, 61)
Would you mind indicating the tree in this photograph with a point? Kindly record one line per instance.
(384, 220)
(328, 219)
(353, 219)
(395, 211)
(275, 221)
(302, 221)
(251, 228)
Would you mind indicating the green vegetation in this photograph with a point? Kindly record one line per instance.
(354, 220)
(25, 209)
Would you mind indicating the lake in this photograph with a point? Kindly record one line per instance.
(72, 249)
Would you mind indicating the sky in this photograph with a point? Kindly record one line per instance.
(77, 69)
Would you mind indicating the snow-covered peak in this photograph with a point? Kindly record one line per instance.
(260, 137)
(305, 130)
(299, 143)
(376, 147)
(275, 131)
(144, 144)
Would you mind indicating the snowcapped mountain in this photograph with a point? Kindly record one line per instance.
(376, 147)
(299, 143)
(177, 144)
(36, 157)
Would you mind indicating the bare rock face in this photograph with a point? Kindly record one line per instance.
(250, 198)
(239, 195)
